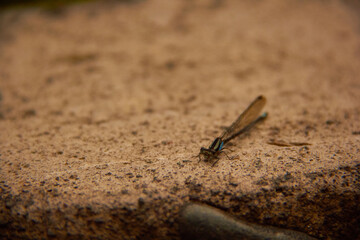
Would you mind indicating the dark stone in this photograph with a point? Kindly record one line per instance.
(203, 222)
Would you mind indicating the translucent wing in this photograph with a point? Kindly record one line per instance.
(247, 117)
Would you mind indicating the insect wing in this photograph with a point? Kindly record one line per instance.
(247, 117)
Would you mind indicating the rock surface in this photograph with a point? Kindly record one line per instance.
(104, 105)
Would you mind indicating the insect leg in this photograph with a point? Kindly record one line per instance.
(217, 159)
(227, 155)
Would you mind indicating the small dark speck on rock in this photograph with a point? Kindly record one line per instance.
(330, 122)
(141, 202)
(166, 142)
(170, 64)
(149, 110)
(130, 175)
(99, 220)
(51, 233)
(50, 80)
(179, 164)
(9, 203)
(124, 191)
(214, 192)
(145, 123)
(155, 179)
(29, 113)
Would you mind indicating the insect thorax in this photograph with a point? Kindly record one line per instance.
(217, 145)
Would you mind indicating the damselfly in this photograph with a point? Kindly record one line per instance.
(243, 123)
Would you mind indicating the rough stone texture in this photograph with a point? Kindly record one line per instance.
(104, 106)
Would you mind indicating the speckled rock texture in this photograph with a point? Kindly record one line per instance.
(105, 105)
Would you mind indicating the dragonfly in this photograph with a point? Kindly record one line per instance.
(243, 123)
